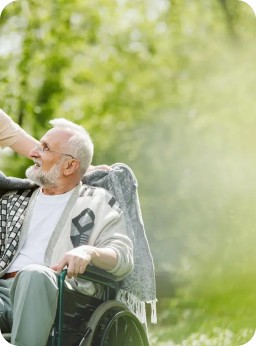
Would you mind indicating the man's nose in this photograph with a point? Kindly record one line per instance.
(35, 152)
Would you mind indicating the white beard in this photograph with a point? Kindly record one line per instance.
(41, 178)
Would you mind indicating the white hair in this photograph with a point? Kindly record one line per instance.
(79, 145)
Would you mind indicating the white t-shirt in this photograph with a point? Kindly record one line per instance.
(47, 211)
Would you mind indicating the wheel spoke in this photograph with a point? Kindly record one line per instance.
(113, 324)
(116, 329)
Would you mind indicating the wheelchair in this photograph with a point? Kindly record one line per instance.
(83, 320)
(88, 321)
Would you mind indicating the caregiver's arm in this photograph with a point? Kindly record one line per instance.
(11, 135)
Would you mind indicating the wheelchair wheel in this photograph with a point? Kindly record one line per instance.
(112, 324)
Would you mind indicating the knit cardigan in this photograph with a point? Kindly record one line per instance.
(92, 216)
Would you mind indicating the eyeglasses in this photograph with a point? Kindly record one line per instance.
(43, 148)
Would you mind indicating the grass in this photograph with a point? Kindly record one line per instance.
(224, 318)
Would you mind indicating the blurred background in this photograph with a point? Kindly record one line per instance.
(169, 88)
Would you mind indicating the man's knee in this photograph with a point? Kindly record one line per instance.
(37, 273)
(34, 292)
(35, 278)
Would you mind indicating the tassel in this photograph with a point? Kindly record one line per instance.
(137, 306)
(153, 311)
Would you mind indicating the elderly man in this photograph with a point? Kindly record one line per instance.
(63, 223)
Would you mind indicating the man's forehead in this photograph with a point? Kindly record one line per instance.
(55, 137)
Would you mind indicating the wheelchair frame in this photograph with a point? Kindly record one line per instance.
(109, 323)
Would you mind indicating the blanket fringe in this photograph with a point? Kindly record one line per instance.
(153, 310)
(137, 306)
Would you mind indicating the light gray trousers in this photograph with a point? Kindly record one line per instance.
(28, 305)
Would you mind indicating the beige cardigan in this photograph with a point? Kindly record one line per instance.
(108, 230)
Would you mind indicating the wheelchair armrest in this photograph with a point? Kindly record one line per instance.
(108, 281)
(95, 275)
(99, 276)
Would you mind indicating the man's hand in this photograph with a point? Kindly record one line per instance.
(76, 261)
(99, 167)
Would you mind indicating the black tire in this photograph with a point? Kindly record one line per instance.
(112, 324)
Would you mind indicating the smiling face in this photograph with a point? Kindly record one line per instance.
(48, 158)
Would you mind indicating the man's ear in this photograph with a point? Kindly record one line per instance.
(71, 166)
